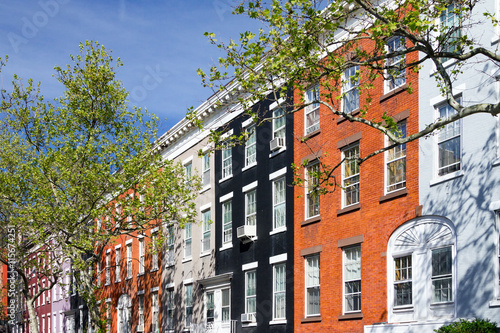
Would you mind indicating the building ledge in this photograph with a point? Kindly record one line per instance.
(315, 319)
(351, 316)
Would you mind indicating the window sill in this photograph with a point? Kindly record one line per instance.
(310, 220)
(447, 177)
(128, 278)
(251, 165)
(393, 195)
(277, 152)
(249, 325)
(442, 305)
(342, 119)
(393, 92)
(351, 316)
(204, 254)
(495, 40)
(402, 308)
(170, 264)
(107, 284)
(205, 188)
(118, 281)
(277, 322)
(495, 303)
(226, 246)
(154, 270)
(315, 319)
(496, 162)
(140, 274)
(187, 260)
(225, 178)
(310, 135)
(277, 231)
(349, 209)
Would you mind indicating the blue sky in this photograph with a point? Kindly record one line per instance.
(160, 42)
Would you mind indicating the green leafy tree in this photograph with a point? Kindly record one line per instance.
(307, 42)
(81, 170)
(465, 326)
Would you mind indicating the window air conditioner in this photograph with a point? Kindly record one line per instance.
(246, 231)
(276, 143)
(248, 317)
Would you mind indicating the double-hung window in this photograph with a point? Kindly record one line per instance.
(350, 175)
(187, 240)
(449, 143)
(396, 71)
(251, 291)
(188, 170)
(155, 320)
(206, 169)
(279, 291)
(350, 90)
(251, 207)
(450, 29)
(227, 160)
(312, 285)
(403, 281)
(396, 163)
(312, 109)
(209, 307)
(442, 277)
(108, 268)
(170, 309)
(141, 255)
(352, 279)
(140, 324)
(279, 203)
(205, 247)
(312, 194)
(154, 250)
(226, 305)
(170, 245)
(98, 276)
(279, 123)
(118, 258)
(227, 221)
(129, 261)
(189, 305)
(250, 146)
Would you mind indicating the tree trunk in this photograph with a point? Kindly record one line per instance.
(33, 322)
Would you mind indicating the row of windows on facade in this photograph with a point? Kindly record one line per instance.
(60, 290)
(440, 280)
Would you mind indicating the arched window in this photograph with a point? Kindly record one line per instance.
(421, 270)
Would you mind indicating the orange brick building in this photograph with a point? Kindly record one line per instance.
(341, 237)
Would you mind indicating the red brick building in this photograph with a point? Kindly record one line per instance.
(341, 237)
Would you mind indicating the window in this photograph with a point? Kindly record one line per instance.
(170, 309)
(441, 275)
(250, 146)
(206, 169)
(155, 320)
(449, 145)
(312, 195)
(187, 240)
(312, 286)
(98, 276)
(118, 259)
(141, 314)
(43, 293)
(189, 305)
(108, 268)
(129, 261)
(450, 28)
(312, 110)
(279, 123)
(350, 175)
(108, 317)
(227, 160)
(251, 207)
(154, 250)
(402, 281)
(188, 170)
(227, 220)
(352, 279)
(142, 251)
(279, 291)
(226, 305)
(205, 246)
(350, 91)
(209, 307)
(396, 163)
(170, 245)
(396, 71)
(279, 203)
(250, 291)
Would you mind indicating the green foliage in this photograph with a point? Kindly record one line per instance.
(466, 326)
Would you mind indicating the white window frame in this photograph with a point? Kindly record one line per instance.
(347, 265)
(279, 123)
(209, 307)
(206, 231)
(98, 278)
(393, 75)
(346, 180)
(456, 125)
(227, 160)
(129, 260)
(170, 245)
(140, 313)
(118, 259)
(398, 155)
(188, 299)
(350, 90)
(155, 317)
(226, 308)
(227, 224)
(108, 267)
(279, 293)
(154, 251)
(251, 146)
(251, 207)
(206, 169)
(250, 297)
(403, 276)
(142, 254)
(170, 311)
(311, 198)
(440, 277)
(188, 240)
(444, 19)
(279, 207)
(311, 285)
(312, 112)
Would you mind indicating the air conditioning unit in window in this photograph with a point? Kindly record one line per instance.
(248, 318)
(140, 328)
(276, 143)
(246, 232)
